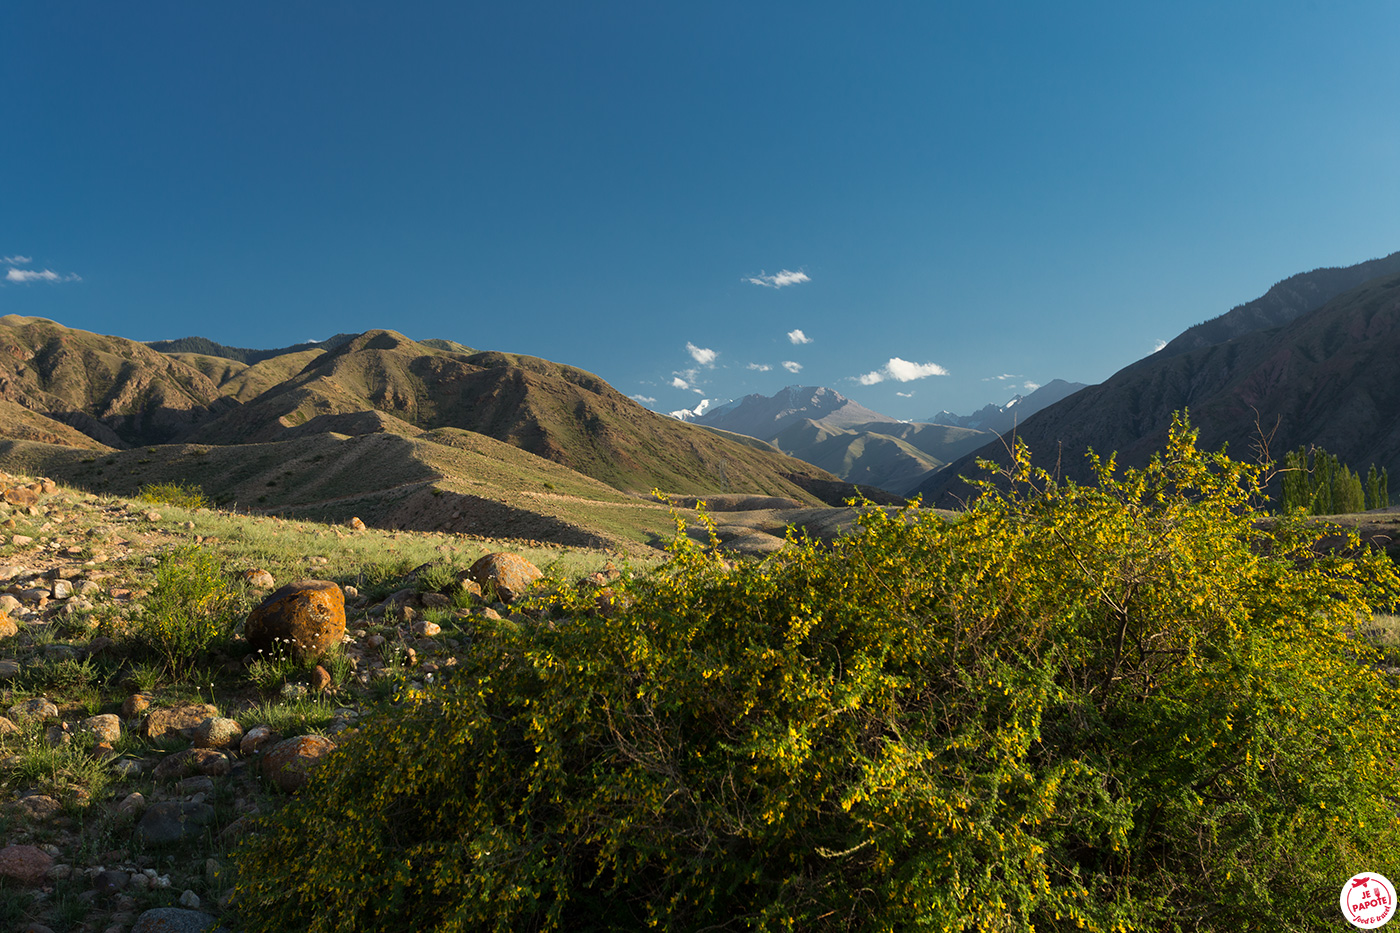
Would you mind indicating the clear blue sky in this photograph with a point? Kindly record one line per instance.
(1028, 190)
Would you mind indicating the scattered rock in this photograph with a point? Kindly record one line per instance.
(465, 581)
(291, 761)
(39, 807)
(189, 899)
(22, 496)
(27, 865)
(37, 708)
(355, 524)
(302, 619)
(176, 721)
(8, 628)
(258, 579)
(131, 806)
(7, 727)
(434, 601)
(190, 762)
(9, 669)
(173, 821)
(61, 589)
(217, 732)
(425, 629)
(175, 920)
(9, 604)
(110, 882)
(256, 739)
(509, 575)
(135, 705)
(107, 727)
(21, 540)
(320, 679)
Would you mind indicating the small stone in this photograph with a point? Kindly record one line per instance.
(21, 540)
(256, 739)
(376, 640)
(7, 727)
(176, 721)
(293, 691)
(355, 524)
(37, 708)
(434, 601)
(131, 806)
(9, 669)
(126, 768)
(8, 628)
(106, 727)
(27, 865)
(100, 645)
(174, 920)
(61, 589)
(110, 882)
(190, 762)
(60, 872)
(58, 735)
(218, 732)
(39, 807)
(425, 629)
(258, 579)
(135, 705)
(152, 516)
(200, 784)
(320, 679)
(189, 899)
(173, 821)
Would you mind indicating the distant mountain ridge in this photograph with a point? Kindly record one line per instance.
(206, 347)
(1000, 419)
(764, 416)
(1327, 377)
(821, 426)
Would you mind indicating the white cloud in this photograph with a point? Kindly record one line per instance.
(1031, 386)
(797, 337)
(644, 399)
(760, 367)
(679, 383)
(905, 394)
(784, 277)
(792, 367)
(17, 260)
(701, 355)
(48, 275)
(1158, 346)
(901, 371)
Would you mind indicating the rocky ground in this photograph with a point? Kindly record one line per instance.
(126, 783)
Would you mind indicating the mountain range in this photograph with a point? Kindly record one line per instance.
(1311, 362)
(430, 434)
(861, 446)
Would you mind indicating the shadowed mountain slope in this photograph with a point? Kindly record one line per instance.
(117, 392)
(1328, 378)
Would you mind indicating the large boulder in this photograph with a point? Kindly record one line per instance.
(509, 575)
(303, 620)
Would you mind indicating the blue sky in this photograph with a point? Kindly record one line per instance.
(956, 198)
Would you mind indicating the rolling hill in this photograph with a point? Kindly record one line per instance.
(376, 425)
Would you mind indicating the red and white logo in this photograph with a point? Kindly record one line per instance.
(1368, 900)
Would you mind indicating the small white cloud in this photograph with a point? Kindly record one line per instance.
(760, 367)
(644, 399)
(784, 277)
(701, 355)
(901, 371)
(1031, 386)
(48, 275)
(1158, 346)
(792, 367)
(797, 337)
(17, 260)
(905, 394)
(679, 383)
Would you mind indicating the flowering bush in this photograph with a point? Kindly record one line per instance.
(1126, 706)
(191, 607)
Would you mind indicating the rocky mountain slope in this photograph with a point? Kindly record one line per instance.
(1326, 378)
